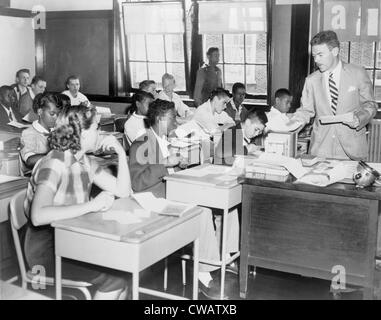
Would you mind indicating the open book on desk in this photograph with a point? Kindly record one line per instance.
(160, 205)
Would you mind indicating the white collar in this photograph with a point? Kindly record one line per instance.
(139, 116)
(8, 111)
(163, 144)
(336, 71)
(32, 95)
(36, 125)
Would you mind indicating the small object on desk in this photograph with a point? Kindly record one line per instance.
(365, 175)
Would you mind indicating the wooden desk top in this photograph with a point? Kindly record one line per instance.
(12, 292)
(215, 176)
(338, 189)
(93, 224)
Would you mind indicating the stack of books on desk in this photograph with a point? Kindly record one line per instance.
(267, 172)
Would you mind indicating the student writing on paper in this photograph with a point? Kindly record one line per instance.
(34, 140)
(8, 106)
(336, 88)
(211, 113)
(238, 140)
(150, 160)
(59, 189)
(135, 126)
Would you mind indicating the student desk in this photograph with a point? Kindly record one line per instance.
(130, 248)
(209, 191)
(311, 231)
(12, 292)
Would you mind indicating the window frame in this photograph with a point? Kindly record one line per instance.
(185, 62)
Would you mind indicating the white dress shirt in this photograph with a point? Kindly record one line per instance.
(180, 106)
(134, 127)
(76, 100)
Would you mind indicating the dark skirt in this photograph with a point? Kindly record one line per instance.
(39, 255)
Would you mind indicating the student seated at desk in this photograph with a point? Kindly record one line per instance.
(211, 113)
(234, 107)
(168, 94)
(73, 85)
(237, 140)
(134, 126)
(277, 115)
(59, 189)
(8, 106)
(150, 87)
(34, 140)
(150, 160)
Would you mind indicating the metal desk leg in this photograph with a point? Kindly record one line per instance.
(58, 278)
(135, 286)
(195, 268)
(223, 252)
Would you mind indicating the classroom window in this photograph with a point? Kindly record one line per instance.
(155, 46)
(368, 55)
(243, 58)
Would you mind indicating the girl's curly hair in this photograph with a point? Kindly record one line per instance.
(70, 123)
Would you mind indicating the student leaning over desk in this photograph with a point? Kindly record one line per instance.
(59, 189)
(151, 160)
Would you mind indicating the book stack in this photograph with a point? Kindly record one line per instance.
(266, 172)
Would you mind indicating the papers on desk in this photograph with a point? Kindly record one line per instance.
(121, 216)
(18, 125)
(161, 206)
(204, 171)
(282, 124)
(103, 111)
(346, 117)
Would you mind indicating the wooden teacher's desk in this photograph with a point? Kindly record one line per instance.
(311, 231)
(126, 247)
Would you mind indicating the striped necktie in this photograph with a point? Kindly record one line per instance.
(334, 93)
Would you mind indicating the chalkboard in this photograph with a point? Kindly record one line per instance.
(81, 46)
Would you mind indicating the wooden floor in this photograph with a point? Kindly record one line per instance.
(265, 285)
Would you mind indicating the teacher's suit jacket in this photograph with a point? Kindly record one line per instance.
(355, 95)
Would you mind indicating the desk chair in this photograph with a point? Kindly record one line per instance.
(18, 220)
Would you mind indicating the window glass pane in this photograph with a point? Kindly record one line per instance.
(362, 54)
(178, 71)
(344, 47)
(174, 48)
(234, 48)
(213, 40)
(378, 58)
(233, 73)
(377, 90)
(156, 71)
(155, 47)
(256, 48)
(256, 79)
(138, 73)
(136, 47)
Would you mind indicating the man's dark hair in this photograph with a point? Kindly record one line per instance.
(144, 85)
(72, 77)
(219, 92)
(157, 108)
(36, 79)
(22, 71)
(255, 113)
(211, 50)
(280, 93)
(4, 90)
(327, 37)
(238, 85)
(140, 96)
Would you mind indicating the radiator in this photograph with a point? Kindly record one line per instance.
(374, 141)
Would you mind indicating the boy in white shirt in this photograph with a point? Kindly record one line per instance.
(277, 116)
(168, 94)
(134, 126)
(211, 114)
(76, 98)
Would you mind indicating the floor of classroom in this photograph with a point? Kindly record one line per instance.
(265, 285)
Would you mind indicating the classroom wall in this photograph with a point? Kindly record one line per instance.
(63, 5)
(281, 32)
(17, 48)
